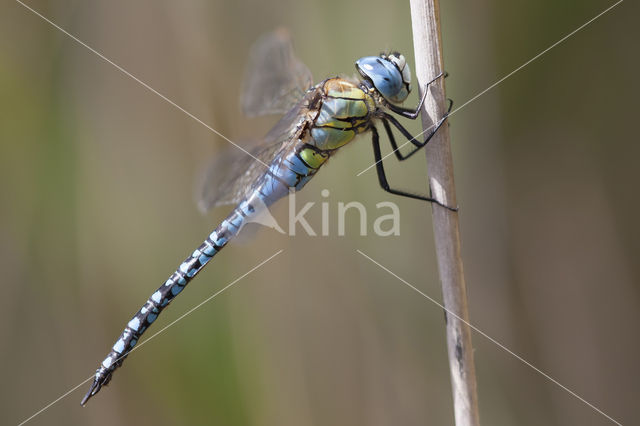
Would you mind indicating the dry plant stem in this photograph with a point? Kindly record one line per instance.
(425, 16)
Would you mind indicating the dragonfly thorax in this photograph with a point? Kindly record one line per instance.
(388, 73)
(345, 110)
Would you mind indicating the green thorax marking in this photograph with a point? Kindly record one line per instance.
(345, 112)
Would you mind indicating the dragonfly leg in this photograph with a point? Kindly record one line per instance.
(396, 151)
(409, 112)
(382, 176)
(416, 143)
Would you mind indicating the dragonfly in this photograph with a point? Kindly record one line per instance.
(317, 120)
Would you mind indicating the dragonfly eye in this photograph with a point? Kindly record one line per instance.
(389, 73)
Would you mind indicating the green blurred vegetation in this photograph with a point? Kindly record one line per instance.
(96, 177)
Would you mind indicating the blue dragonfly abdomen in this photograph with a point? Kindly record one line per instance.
(284, 174)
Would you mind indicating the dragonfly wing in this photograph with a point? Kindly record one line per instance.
(275, 79)
(276, 82)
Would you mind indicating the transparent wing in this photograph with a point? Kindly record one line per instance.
(275, 79)
(275, 83)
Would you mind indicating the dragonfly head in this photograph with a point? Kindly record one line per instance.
(389, 73)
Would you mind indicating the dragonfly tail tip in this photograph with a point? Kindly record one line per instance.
(94, 389)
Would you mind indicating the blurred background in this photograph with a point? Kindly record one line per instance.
(97, 176)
